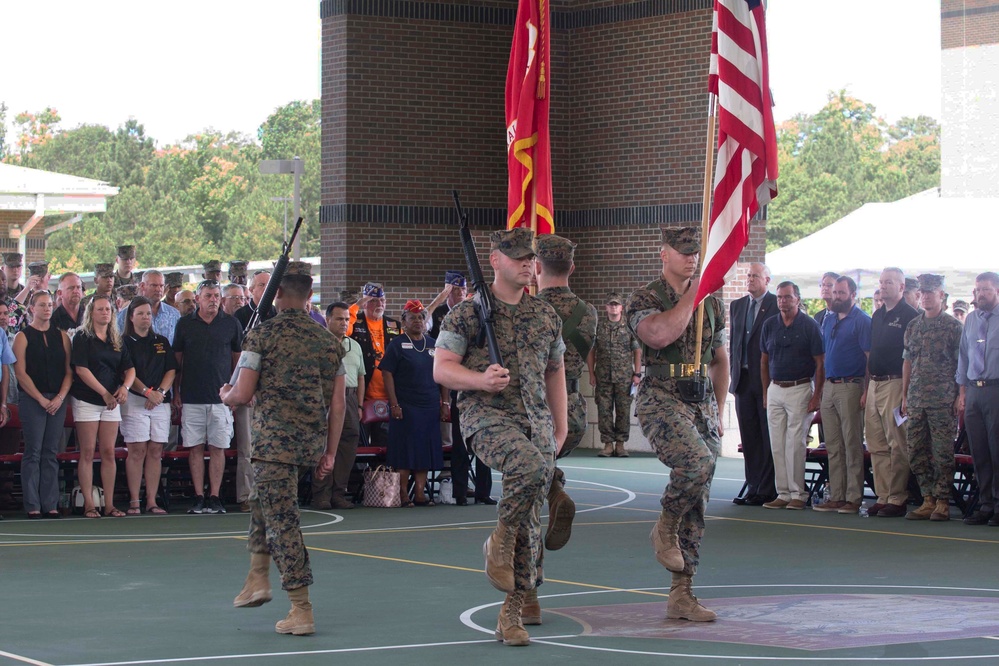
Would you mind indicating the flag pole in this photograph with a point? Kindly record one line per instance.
(706, 216)
(533, 290)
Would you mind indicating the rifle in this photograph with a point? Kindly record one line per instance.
(484, 304)
(270, 291)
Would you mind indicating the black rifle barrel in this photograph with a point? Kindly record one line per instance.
(483, 296)
(267, 299)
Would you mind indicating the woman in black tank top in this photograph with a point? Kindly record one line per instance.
(44, 376)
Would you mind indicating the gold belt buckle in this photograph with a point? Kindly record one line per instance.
(683, 370)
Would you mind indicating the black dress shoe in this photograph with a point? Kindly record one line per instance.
(461, 501)
(756, 500)
(994, 520)
(739, 501)
(978, 518)
(485, 500)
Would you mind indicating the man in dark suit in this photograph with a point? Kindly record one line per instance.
(747, 315)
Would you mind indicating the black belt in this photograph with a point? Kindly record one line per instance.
(796, 382)
(844, 380)
(982, 383)
(884, 378)
(572, 386)
(673, 370)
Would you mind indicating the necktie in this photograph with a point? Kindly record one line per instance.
(976, 368)
(750, 319)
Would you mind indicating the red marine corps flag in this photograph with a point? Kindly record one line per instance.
(746, 170)
(529, 189)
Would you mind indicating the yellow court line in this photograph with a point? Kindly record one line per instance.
(478, 571)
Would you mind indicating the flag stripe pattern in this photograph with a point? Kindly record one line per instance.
(528, 83)
(746, 166)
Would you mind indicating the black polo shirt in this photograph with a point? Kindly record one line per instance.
(244, 313)
(791, 350)
(64, 322)
(153, 357)
(207, 350)
(887, 338)
(101, 358)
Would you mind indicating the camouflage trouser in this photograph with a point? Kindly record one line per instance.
(931, 449)
(527, 472)
(613, 411)
(690, 450)
(577, 423)
(275, 525)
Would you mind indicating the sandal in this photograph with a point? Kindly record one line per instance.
(115, 513)
(91, 513)
(406, 505)
(156, 511)
(427, 502)
(134, 508)
(54, 513)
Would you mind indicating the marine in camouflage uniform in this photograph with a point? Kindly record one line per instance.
(13, 262)
(685, 436)
(614, 370)
(578, 331)
(931, 345)
(126, 258)
(512, 416)
(295, 369)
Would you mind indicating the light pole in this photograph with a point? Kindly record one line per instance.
(293, 166)
(285, 200)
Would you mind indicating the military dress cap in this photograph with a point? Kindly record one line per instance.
(685, 240)
(103, 270)
(614, 298)
(237, 269)
(213, 266)
(128, 291)
(414, 306)
(373, 289)
(457, 278)
(126, 251)
(13, 259)
(911, 283)
(930, 282)
(554, 248)
(515, 243)
(39, 268)
(137, 276)
(962, 306)
(298, 268)
(174, 279)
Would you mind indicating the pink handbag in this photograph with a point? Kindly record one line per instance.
(381, 488)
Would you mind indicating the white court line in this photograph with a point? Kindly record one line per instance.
(26, 660)
(635, 471)
(220, 657)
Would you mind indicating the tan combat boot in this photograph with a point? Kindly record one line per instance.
(942, 511)
(530, 612)
(561, 511)
(498, 550)
(257, 588)
(924, 511)
(509, 627)
(665, 542)
(683, 605)
(608, 450)
(299, 621)
(619, 450)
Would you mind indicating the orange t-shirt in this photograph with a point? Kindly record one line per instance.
(375, 389)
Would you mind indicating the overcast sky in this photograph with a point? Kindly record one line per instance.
(184, 65)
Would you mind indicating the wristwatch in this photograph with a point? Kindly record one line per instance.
(161, 391)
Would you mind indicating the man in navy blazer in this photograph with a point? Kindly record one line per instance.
(747, 315)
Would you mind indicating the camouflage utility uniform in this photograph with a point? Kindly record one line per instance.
(565, 302)
(931, 346)
(512, 431)
(614, 364)
(683, 435)
(298, 364)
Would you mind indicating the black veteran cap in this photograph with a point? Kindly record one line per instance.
(550, 247)
(456, 278)
(127, 291)
(299, 268)
(39, 268)
(930, 282)
(685, 240)
(13, 259)
(126, 251)
(103, 270)
(174, 279)
(911, 283)
(614, 297)
(515, 243)
(962, 306)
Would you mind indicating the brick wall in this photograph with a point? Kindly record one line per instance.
(968, 23)
(36, 238)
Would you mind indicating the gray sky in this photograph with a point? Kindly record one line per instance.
(184, 65)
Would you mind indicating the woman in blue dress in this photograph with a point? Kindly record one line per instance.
(416, 405)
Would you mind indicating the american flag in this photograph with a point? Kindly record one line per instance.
(746, 167)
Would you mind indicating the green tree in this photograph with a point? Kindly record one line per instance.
(3, 131)
(33, 130)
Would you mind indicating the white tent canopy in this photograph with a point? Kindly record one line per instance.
(924, 233)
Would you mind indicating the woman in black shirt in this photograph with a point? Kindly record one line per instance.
(145, 415)
(43, 376)
(104, 373)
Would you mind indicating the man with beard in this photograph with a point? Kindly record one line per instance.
(847, 342)
(373, 332)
